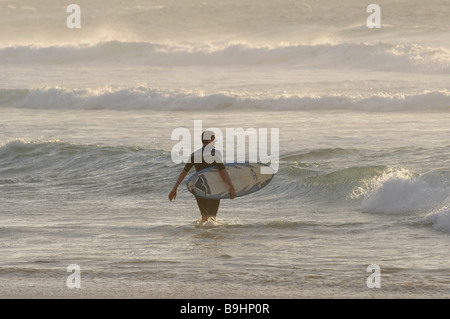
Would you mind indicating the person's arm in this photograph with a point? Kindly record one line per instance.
(223, 172)
(173, 193)
(227, 179)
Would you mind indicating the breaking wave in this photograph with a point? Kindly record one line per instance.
(380, 56)
(400, 191)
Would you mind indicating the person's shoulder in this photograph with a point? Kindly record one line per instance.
(192, 156)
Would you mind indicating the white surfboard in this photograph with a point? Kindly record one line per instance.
(246, 177)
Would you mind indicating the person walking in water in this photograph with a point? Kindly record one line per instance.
(208, 207)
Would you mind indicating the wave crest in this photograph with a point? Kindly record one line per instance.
(143, 98)
(440, 218)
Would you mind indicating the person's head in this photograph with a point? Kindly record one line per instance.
(208, 137)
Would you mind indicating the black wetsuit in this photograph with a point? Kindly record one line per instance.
(208, 207)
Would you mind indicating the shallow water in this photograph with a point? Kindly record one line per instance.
(372, 198)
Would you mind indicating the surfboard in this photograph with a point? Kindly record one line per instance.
(247, 178)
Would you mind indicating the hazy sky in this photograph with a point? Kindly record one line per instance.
(44, 21)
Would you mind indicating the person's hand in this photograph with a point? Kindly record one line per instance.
(173, 195)
(232, 193)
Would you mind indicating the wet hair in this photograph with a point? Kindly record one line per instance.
(205, 135)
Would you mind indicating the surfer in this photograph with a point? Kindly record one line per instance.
(208, 207)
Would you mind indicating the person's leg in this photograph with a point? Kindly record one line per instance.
(208, 207)
(202, 205)
(212, 208)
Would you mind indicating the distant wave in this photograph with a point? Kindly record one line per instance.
(143, 98)
(379, 56)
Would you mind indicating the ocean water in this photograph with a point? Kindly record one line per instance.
(86, 117)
